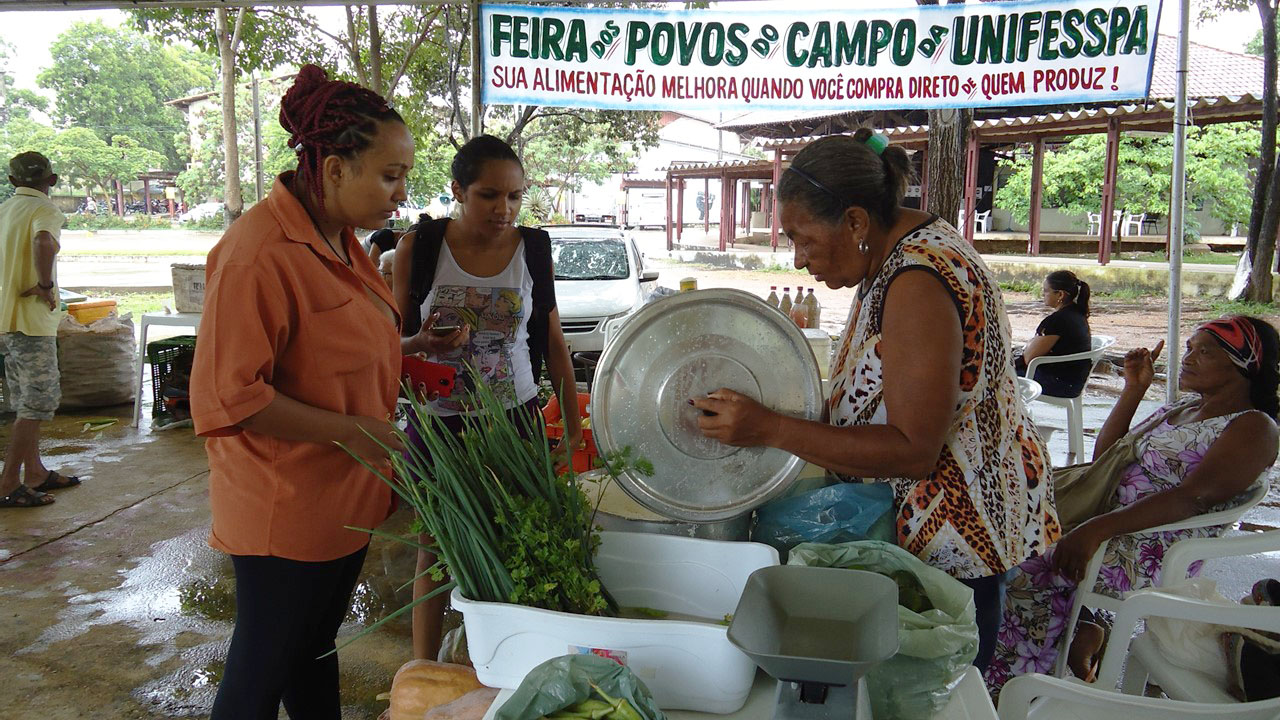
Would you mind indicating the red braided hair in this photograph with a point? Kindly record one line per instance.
(329, 117)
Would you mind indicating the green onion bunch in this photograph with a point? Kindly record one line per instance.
(507, 526)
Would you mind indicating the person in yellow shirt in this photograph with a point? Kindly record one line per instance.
(30, 225)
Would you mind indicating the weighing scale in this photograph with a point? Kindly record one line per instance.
(817, 631)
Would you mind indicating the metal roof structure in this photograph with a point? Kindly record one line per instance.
(1153, 116)
(1214, 74)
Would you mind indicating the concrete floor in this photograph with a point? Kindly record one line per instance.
(115, 606)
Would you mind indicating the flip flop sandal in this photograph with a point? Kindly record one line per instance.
(25, 497)
(57, 482)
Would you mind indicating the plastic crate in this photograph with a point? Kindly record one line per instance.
(687, 665)
(164, 356)
(585, 458)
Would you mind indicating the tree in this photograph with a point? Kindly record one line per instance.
(115, 81)
(418, 58)
(561, 154)
(1264, 215)
(205, 176)
(21, 134)
(80, 156)
(250, 41)
(16, 102)
(948, 135)
(1254, 46)
(1218, 174)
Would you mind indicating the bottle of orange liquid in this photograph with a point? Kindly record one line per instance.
(799, 311)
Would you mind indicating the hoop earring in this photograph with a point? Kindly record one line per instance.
(863, 246)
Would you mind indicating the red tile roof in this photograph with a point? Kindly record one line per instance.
(1211, 72)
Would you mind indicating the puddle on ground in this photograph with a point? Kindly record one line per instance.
(73, 450)
(180, 602)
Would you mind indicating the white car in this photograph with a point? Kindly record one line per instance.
(599, 276)
(201, 212)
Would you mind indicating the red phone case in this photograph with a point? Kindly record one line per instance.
(434, 377)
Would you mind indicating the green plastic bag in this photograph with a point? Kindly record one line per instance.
(560, 682)
(935, 647)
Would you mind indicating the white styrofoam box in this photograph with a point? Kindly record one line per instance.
(687, 665)
(820, 344)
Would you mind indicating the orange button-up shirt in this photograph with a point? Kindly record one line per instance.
(283, 314)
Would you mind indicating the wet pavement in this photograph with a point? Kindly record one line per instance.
(116, 607)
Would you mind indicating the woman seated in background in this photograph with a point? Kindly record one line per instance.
(1193, 457)
(1065, 332)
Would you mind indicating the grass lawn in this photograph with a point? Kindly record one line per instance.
(139, 303)
(1204, 258)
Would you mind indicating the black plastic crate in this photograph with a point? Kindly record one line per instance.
(166, 356)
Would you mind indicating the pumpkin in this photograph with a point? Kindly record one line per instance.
(420, 685)
(471, 706)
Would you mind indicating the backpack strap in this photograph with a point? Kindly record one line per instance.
(537, 258)
(426, 252)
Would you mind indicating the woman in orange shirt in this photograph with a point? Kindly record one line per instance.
(300, 350)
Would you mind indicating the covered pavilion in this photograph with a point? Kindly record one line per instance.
(1222, 87)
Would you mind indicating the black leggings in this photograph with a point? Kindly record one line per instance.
(287, 616)
(988, 600)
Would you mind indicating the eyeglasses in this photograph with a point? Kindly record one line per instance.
(813, 181)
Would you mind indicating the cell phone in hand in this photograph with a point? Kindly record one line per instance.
(434, 377)
(444, 330)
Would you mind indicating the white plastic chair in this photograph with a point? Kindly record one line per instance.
(1040, 697)
(1133, 224)
(1075, 405)
(1095, 223)
(1086, 595)
(1029, 390)
(1144, 660)
(982, 222)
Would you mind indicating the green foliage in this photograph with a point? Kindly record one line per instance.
(507, 526)
(1243, 307)
(216, 222)
(80, 221)
(81, 157)
(1254, 46)
(268, 37)
(204, 178)
(1203, 258)
(1020, 286)
(1219, 174)
(115, 81)
(18, 135)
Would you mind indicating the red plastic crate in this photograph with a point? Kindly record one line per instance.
(584, 459)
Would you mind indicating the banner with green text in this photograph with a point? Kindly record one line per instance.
(739, 58)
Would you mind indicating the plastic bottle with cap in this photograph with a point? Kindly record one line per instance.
(814, 308)
(773, 296)
(785, 304)
(799, 311)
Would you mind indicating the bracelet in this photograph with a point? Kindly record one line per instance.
(42, 286)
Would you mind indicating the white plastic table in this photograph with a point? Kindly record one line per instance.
(191, 320)
(969, 701)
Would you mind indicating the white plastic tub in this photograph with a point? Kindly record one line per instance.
(687, 665)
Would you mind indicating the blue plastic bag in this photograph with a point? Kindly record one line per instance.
(845, 512)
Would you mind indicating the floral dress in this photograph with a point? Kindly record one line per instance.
(1038, 600)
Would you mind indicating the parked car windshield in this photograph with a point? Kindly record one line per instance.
(590, 259)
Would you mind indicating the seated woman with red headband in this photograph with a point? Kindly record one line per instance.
(1195, 456)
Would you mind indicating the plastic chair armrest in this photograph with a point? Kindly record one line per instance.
(1154, 603)
(1181, 554)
